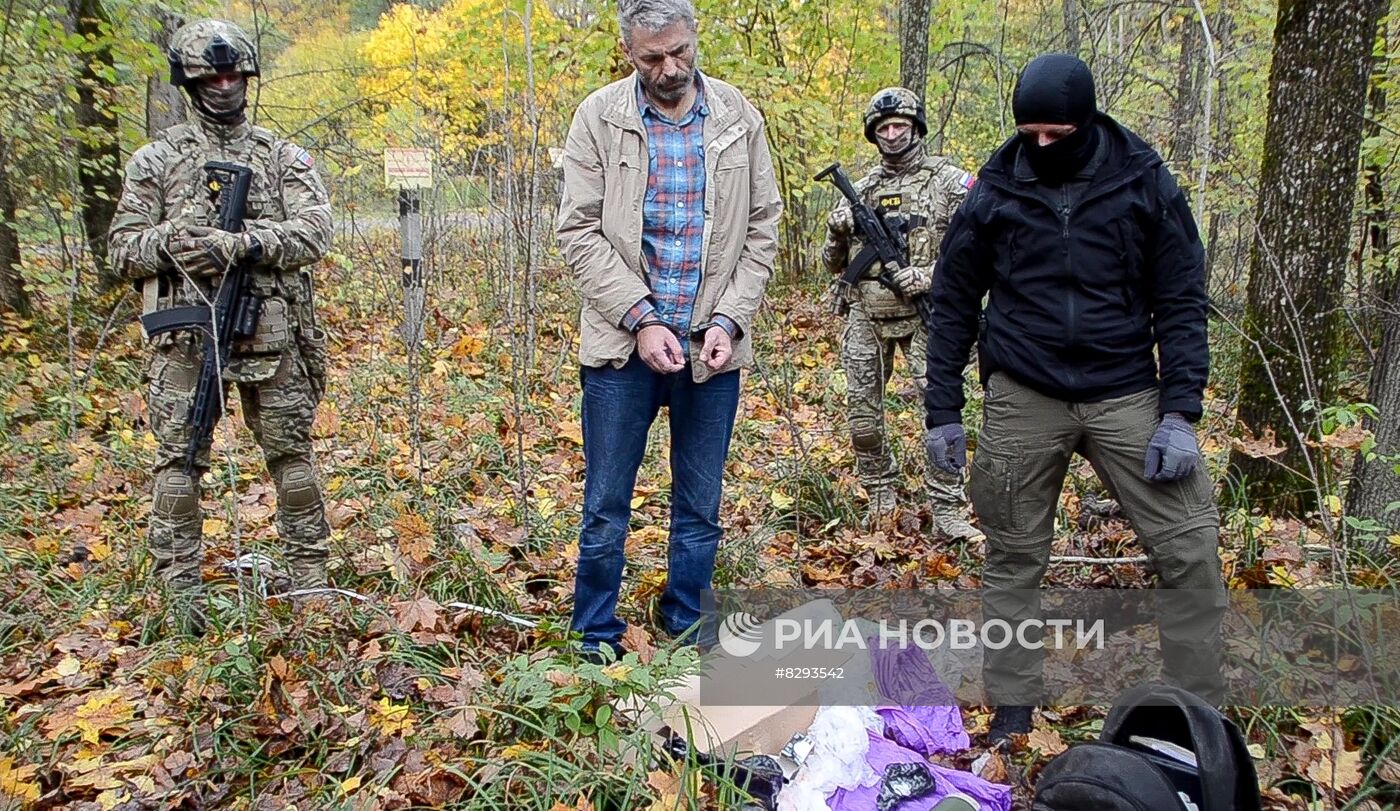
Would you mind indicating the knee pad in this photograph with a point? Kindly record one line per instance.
(866, 434)
(297, 486)
(176, 494)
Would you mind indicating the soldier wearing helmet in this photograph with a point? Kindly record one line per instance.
(163, 239)
(909, 182)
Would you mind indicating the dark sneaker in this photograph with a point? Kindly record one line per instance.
(603, 653)
(1007, 721)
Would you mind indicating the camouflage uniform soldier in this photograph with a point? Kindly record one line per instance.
(161, 239)
(908, 182)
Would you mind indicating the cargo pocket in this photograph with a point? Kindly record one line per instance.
(311, 346)
(1197, 492)
(921, 247)
(993, 489)
(256, 359)
(172, 378)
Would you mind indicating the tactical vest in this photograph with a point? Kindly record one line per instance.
(285, 295)
(912, 194)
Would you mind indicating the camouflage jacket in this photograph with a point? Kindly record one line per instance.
(933, 189)
(288, 208)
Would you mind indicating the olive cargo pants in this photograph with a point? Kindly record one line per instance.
(1018, 472)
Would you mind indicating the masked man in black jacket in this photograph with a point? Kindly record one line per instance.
(1091, 259)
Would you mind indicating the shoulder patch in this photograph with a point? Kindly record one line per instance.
(301, 158)
(968, 180)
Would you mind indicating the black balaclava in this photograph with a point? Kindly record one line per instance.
(1057, 89)
(224, 107)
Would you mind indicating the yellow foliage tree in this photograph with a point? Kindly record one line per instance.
(457, 79)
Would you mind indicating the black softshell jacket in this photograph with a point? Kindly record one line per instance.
(1081, 290)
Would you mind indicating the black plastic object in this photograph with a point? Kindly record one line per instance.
(903, 781)
(758, 775)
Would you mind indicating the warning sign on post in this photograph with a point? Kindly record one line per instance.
(408, 168)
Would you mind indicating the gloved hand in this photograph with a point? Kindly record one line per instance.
(1173, 454)
(946, 446)
(203, 251)
(913, 281)
(840, 221)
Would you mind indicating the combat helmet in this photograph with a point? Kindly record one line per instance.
(208, 47)
(894, 101)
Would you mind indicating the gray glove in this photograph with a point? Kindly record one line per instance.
(203, 251)
(912, 281)
(840, 221)
(1173, 454)
(946, 446)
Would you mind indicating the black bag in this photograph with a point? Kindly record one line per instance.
(1161, 749)
(1104, 777)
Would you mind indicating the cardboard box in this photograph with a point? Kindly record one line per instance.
(732, 731)
(742, 730)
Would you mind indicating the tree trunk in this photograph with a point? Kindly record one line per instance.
(1221, 141)
(13, 296)
(1375, 484)
(1321, 68)
(913, 45)
(1184, 112)
(99, 146)
(165, 103)
(1072, 39)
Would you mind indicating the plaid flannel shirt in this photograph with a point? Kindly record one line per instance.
(673, 218)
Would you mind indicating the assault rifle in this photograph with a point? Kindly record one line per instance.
(233, 316)
(883, 237)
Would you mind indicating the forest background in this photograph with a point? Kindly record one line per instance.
(453, 466)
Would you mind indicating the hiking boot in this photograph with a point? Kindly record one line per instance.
(187, 613)
(881, 507)
(1007, 721)
(951, 525)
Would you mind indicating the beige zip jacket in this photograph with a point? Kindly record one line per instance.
(600, 219)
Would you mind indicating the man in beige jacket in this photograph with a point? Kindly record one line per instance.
(669, 219)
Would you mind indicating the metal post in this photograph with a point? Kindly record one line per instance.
(411, 229)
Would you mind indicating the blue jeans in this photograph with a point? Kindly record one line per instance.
(619, 406)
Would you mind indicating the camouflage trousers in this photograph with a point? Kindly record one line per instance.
(279, 410)
(867, 354)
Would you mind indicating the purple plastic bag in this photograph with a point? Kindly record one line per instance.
(924, 717)
(883, 752)
(907, 678)
(926, 730)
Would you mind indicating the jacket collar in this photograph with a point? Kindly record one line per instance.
(1127, 157)
(1125, 153)
(222, 133)
(621, 110)
(699, 107)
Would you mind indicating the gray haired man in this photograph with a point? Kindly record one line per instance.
(669, 218)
